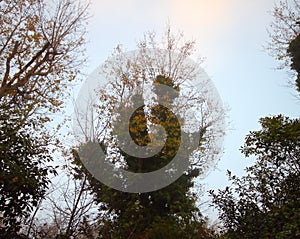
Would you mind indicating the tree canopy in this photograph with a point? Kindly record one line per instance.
(169, 212)
(294, 53)
(284, 35)
(265, 203)
(40, 50)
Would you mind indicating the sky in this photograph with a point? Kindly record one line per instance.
(231, 35)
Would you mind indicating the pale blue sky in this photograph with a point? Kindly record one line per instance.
(230, 34)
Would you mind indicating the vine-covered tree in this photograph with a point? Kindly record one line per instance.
(294, 53)
(169, 212)
(40, 51)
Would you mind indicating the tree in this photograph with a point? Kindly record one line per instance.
(40, 50)
(284, 34)
(68, 211)
(169, 212)
(23, 176)
(265, 203)
(294, 53)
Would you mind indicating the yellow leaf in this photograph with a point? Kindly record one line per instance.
(15, 179)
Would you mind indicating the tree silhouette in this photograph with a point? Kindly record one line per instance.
(169, 212)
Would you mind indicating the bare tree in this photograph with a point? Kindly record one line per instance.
(68, 210)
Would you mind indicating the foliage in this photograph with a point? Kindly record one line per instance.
(265, 203)
(23, 176)
(294, 53)
(166, 213)
(169, 212)
(40, 50)
(283, 29)
(284, 34)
